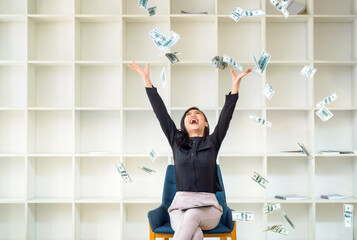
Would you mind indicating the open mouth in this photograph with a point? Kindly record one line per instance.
(193, 120)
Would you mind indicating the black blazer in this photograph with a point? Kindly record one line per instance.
(195, 168)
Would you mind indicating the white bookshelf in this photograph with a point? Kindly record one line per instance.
(65, 91)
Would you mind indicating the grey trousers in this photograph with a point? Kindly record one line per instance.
(188, 224)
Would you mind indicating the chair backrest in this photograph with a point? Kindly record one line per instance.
(170, 187)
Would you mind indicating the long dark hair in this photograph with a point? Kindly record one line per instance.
(182, 138)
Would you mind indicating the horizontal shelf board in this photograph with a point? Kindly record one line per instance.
(129, 109)
(97, 18)
(97, 63)
(12, 154)
(290, 19)
(97, 200)
(222, 18)
(222, 154)
(286, 155)
(335, 155)
(339, 109)
(192, 18)
(12, 200)
(146, 18)
(152, 63)
(97, 155)
(245, 200)
(50, 18)
(319, 63)
(334, 18)
(12, 63)
(347, 200)
(289, 63)
(97, 109)
(288, 109)
(12, 18)
(49, 155)
(134, 155)
(50, 63)
(49, 109)
(142, 200)
(274, 200)
(50, 200)
(12, 109)
(192, 63)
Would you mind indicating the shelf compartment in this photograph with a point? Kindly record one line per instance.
(301, 214)
(336, 175)
(100, 221)
(187, 80)
(98, 131)
(137, 44)
(339, 46)
(226, 6)
(250, 230)
(330, 222)
(12, 132)
(135, 217)
(98, 86)
(139, 138)
(330, 7)
(97, 40)
(244, 135)
(338, 132)
(13, 7)
(239, 46)
(289, 176)
(13, 41)
(13, 86)
(49, 221)
(153, 182)
(191, 48)
(288, 128)
(291, 88)
(50, 86)
(12, 220)
(292, 38)
(101, 7)
(49, 40)
(97, 178)
(192, 6)
(339, 79)
(251, 89)
(50, 7)
(50, 132)
(12, 178)
(134, 92)
(49, 177)
(237, 173)
(131, 7)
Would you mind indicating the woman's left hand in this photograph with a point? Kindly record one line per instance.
(237, 78)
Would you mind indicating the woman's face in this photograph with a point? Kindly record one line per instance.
(195, 122)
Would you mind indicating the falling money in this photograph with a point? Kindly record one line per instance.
(152, 11)
(145, 169)
(303, 147)
(324, 114)
(236, 14)
(262, 63)
(218, 62)
(272, 208)
(243, 216)
(152, 155)
(277, 229)
(260, 180)
(260, 120)
(123, 173)
(161, 41)
(163, 77)
(288, 220)
(268, 90)
(143, 3)
(308, 71)
(231, 61)
(280, 7)
(327, 100)
(348, 214)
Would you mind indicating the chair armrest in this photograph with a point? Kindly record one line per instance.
(158, 217)
(226, 218)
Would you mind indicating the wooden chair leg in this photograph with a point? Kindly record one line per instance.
(152, 234)
(223, 238)
(234, 232)
(165, 238)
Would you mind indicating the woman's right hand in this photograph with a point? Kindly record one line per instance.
(143, 72)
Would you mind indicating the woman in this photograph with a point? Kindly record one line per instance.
(195, 153)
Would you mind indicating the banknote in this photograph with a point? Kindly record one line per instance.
(152, 155)
(308, 71)
(268, 90)
(262, 63)
(332, 97)
(280, 7)
(163, 77)
(260, 180)
(261, 121)
(236, 13)
(277, 229)
(152, 11)
(288, 220)
(324, 113)
(172, 57)
(232, 62)
(218, 62)
(143, 3)
(272, 208)
(242, 216)
(348, 214)
(163, 42)
(304, 149)
(148, 170)
(121, 169)
(253, 13)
